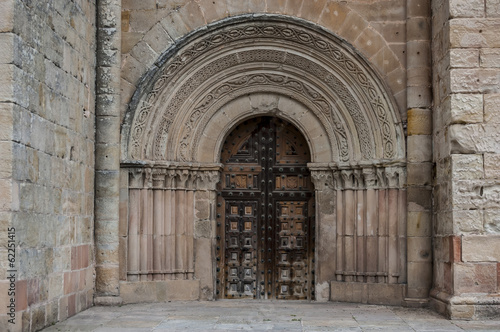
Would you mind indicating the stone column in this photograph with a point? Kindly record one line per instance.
(419, 152)
(326, 229)
(204, 232)
(107, 151)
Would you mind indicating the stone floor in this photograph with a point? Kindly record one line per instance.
(263, 316)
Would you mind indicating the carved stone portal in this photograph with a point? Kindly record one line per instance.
(273, 70)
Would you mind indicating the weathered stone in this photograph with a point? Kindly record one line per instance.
(474, 138)
(481, 248)
(418, 28)
(311, 10)
(192, 15)
(419, 249)
(419, 148)
(174, 25)
(213, 11)
(467, 166)
(464, 58)
(467, 32)
(492, 221)
(461, 8)
(334, 15)
(158, 39)
(384, 57)
(492, 8)
(144, 54)
(419, 224)
(419, 173)
(490, 58)
(107, 279)
(419, 122)
(465, 108)
(475, 80)
(491, 162)
(352, 26)
(141, 5)
(492, 108)
(474, 278)
(468, 221)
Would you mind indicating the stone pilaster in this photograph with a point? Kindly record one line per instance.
(107, 151)
(419, 151)
(466, 135)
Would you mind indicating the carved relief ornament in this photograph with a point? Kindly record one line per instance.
(282, 45)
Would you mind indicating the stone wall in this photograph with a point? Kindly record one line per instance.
(466, 53)
(47, 66)
(377, 29)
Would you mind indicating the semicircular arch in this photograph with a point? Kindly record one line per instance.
(177, 102)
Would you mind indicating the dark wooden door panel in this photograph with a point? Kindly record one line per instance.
(265, 213)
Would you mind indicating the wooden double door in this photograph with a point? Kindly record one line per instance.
(265, 213)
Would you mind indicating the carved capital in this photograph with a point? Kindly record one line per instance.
(347, 178)
(370, 176)
(395, 177)
(322, 179)
(159, 178)
(207, 180)
(135, 178)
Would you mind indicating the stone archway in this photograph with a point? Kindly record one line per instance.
(257, 66)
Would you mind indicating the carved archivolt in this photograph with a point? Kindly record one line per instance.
(245, 84)
(298, 60)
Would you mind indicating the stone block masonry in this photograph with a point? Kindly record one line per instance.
(466, 145)
(47, 65)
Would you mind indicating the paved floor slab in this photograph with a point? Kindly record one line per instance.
(228, 315)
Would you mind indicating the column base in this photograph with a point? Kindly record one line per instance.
(107, 300)
(410, 302)
(466, 307)
(369, 293)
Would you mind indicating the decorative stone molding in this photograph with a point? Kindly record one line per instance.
(359, 177)
(173, 176)
(204, 111)
(160, 238)
(172, 107)
(369, 219)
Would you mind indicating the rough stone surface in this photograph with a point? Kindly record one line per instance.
(48, 166)
(466, 138)
(46, 163)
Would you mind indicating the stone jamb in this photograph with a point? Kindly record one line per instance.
(107, 151)
(419, 131)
